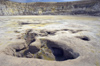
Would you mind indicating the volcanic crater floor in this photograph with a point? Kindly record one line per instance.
(49, 40)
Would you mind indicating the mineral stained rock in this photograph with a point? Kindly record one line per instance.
(45, 52)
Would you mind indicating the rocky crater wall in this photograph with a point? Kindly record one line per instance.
(42, 8)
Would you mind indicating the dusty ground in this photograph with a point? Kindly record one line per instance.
(80, 33)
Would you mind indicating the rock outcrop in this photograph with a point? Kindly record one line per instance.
(43, 8)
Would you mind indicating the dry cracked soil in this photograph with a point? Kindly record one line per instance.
(49, 41)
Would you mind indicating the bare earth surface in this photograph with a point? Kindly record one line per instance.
(76, 37)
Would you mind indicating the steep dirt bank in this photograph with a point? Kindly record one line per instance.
(42, 8)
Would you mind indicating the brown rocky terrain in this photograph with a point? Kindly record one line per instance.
(49, 41)
(53, 8)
